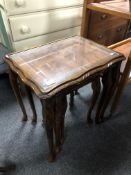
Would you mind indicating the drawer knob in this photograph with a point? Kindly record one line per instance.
(25, 29)
(19, 3)
(104, 16)
(100, 36)
(119, 29)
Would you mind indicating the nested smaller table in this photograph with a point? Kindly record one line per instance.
(56, 69)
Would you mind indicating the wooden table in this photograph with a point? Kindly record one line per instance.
(123, 47)
(106, 22)
(54, 70)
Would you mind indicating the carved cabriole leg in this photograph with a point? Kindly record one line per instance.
(7, 168)
(109, 80)
(120, 88)
(96, 87)
(71, 99)
(106, 84)
(31, 101)
(62, 137)
(13, 79)
(60, 110)
(76, 92)
(48, 110)
(72, 94)
(115, 76)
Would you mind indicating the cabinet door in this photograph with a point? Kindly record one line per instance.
(26, 6)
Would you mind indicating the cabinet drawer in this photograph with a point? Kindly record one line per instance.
(109, 36)
(33, 42)
(26, 6)
(100, 20)
(27, 26)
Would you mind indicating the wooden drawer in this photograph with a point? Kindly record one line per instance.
(110, 36)
(32, 25)
(26, 6)
(33, 42)
(100, 20)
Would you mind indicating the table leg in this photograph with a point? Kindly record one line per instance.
(60, 110)
(13, 79)
(48, 110)
(76, 92)
(110, 79)
(72, 94)
(106, 83)
(123, 80)
(115, 76)
(31, 101)
(96, 87)
(71, 99)
(7, 167)
(3, 169)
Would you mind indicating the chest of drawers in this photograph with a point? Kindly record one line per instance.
(28, 23)
(106, 22)
(25, 6)
(106, 29)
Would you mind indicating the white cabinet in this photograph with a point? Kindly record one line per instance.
(36, 22)
(43, 39)
(32, 25)
(25, 6)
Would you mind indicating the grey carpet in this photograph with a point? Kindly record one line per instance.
(103, 149)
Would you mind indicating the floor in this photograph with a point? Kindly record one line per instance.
(103, 149)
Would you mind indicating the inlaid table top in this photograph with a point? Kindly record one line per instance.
(120, 8)
(50, 68)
